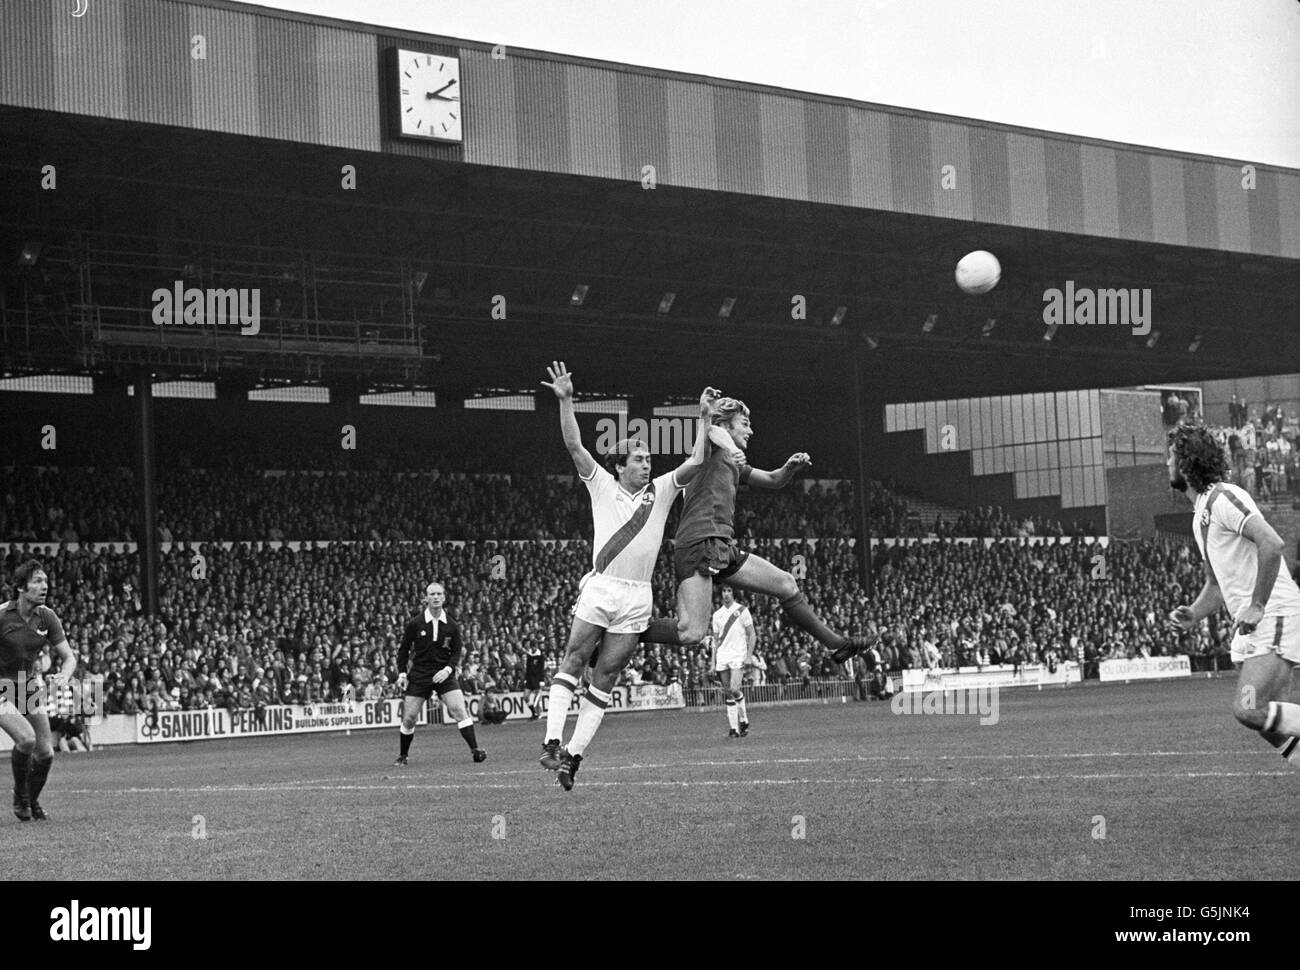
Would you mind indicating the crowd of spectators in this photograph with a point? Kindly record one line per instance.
(1263, 448)
(260, 626)
(202, 505)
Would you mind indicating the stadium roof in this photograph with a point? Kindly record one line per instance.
(760, 198)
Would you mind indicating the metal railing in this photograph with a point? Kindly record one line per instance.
(813, 690)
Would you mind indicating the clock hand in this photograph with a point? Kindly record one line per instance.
(441, 89)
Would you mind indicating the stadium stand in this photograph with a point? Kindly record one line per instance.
(279, 625)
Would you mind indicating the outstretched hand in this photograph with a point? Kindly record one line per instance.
(799, 460)
(561, 381)
(708, 401)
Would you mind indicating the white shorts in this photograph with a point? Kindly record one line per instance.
(615, 605)
(1275, 634)
(730, 658)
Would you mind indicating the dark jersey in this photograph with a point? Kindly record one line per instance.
(534, 668)
(709, 502)
(21, 641)
(429, 646)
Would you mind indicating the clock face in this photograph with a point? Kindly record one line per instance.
(428, 96)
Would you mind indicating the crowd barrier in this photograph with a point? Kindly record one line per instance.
(776, 693)
(283, 719)
(1145, 668)
(1003, 675)
(279, 719)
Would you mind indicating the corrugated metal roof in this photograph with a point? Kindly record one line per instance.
(320, 81)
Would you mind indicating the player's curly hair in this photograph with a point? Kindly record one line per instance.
(618, 455)
(727, 408)
(1197, 456)
(23, 575)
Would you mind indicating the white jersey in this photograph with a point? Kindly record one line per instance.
(612, 506)
(732, 634)
(1219, 516)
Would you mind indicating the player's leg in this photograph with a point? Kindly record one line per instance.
(615, 651)
(38, 772)
(454, 698)
(694, 566)
(411, 704)
(727, 681)
(757, 575)
(1262, 702)
(24, 738)
(694, 607)
(738, 693)
(583, 637)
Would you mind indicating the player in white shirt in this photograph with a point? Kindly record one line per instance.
(1245, 572)
(732, 640)
(615, 599)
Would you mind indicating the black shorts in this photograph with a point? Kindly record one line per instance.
(716, 558)
(424, 687)
(533, 684)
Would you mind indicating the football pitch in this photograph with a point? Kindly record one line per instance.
(1141, 781)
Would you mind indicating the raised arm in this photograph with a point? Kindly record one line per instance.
(561, 383)
(688, 469)
(782, 476)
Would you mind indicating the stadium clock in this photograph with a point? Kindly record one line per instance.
(426, 95)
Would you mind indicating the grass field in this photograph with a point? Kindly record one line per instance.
(667, 796)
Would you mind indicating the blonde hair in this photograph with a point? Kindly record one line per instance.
(727, 409)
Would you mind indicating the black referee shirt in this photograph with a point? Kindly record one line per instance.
(535, 667)
(430, 645)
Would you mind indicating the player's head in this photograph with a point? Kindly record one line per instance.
(30, 581)
(728, 597)
(434, 596)
(629, 462)
(732, 414)
(1195, 459)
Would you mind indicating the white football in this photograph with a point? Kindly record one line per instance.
(978, 272)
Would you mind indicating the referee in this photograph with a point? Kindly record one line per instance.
(431, 647)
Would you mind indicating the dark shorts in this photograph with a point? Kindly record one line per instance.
(424, 687)
(532, 684)
(717, 558)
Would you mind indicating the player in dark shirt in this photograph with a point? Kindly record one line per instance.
(534, 675)
(431, 645)
(706, 548)
(27, 627)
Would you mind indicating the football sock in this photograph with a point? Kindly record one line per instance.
(798, 612)
(557, 711)
(405, 736)
(662, 630)
(1286, 747)
(590, 713)
(21, 762)
(36, 776)
(467, 732)
(1283, 718)
(740, 710)
(733, 718)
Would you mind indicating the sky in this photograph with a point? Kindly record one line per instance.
(1212, 77)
